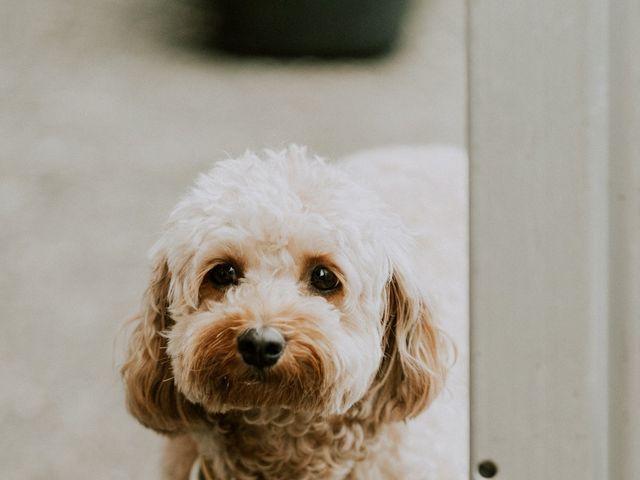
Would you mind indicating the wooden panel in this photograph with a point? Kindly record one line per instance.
(538, 148)
(625, 240)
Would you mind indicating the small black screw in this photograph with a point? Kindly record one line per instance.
(487, 469)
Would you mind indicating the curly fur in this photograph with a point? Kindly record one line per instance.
(357, 363)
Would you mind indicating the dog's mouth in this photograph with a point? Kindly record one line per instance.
(256, 381)
(259, 376)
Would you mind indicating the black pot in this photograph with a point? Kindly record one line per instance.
(309, 27)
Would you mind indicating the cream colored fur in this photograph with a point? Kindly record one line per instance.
(359, 362)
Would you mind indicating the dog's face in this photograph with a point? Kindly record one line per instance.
(280, 284)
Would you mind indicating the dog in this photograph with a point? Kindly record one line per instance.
(283, 334)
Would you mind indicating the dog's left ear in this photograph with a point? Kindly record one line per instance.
(416, 353)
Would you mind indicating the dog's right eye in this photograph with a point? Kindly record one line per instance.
(223, 275)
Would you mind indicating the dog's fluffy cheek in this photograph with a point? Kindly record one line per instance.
(180, 349)
(358, 354)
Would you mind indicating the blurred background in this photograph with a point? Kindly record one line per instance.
(108, 109)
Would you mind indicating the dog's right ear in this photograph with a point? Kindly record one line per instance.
(151, 394)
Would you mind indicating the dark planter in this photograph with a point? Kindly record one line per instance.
(309, 27)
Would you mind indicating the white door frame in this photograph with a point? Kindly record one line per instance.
(624, 221)
(554, 142)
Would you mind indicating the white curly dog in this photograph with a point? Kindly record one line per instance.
(285, 333)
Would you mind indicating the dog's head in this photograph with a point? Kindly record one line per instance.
(280, 283)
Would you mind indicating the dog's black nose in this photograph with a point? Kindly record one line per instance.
(261, 347)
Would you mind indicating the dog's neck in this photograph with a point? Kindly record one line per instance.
(284, 444)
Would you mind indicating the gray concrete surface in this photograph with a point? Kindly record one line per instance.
(108, 108)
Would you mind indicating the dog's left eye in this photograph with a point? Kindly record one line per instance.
(223, 275)
(324, 279)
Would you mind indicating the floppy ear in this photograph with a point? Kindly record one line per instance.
(151, 395)
(414, 367)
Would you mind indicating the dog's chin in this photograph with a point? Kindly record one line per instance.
(266, 391)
